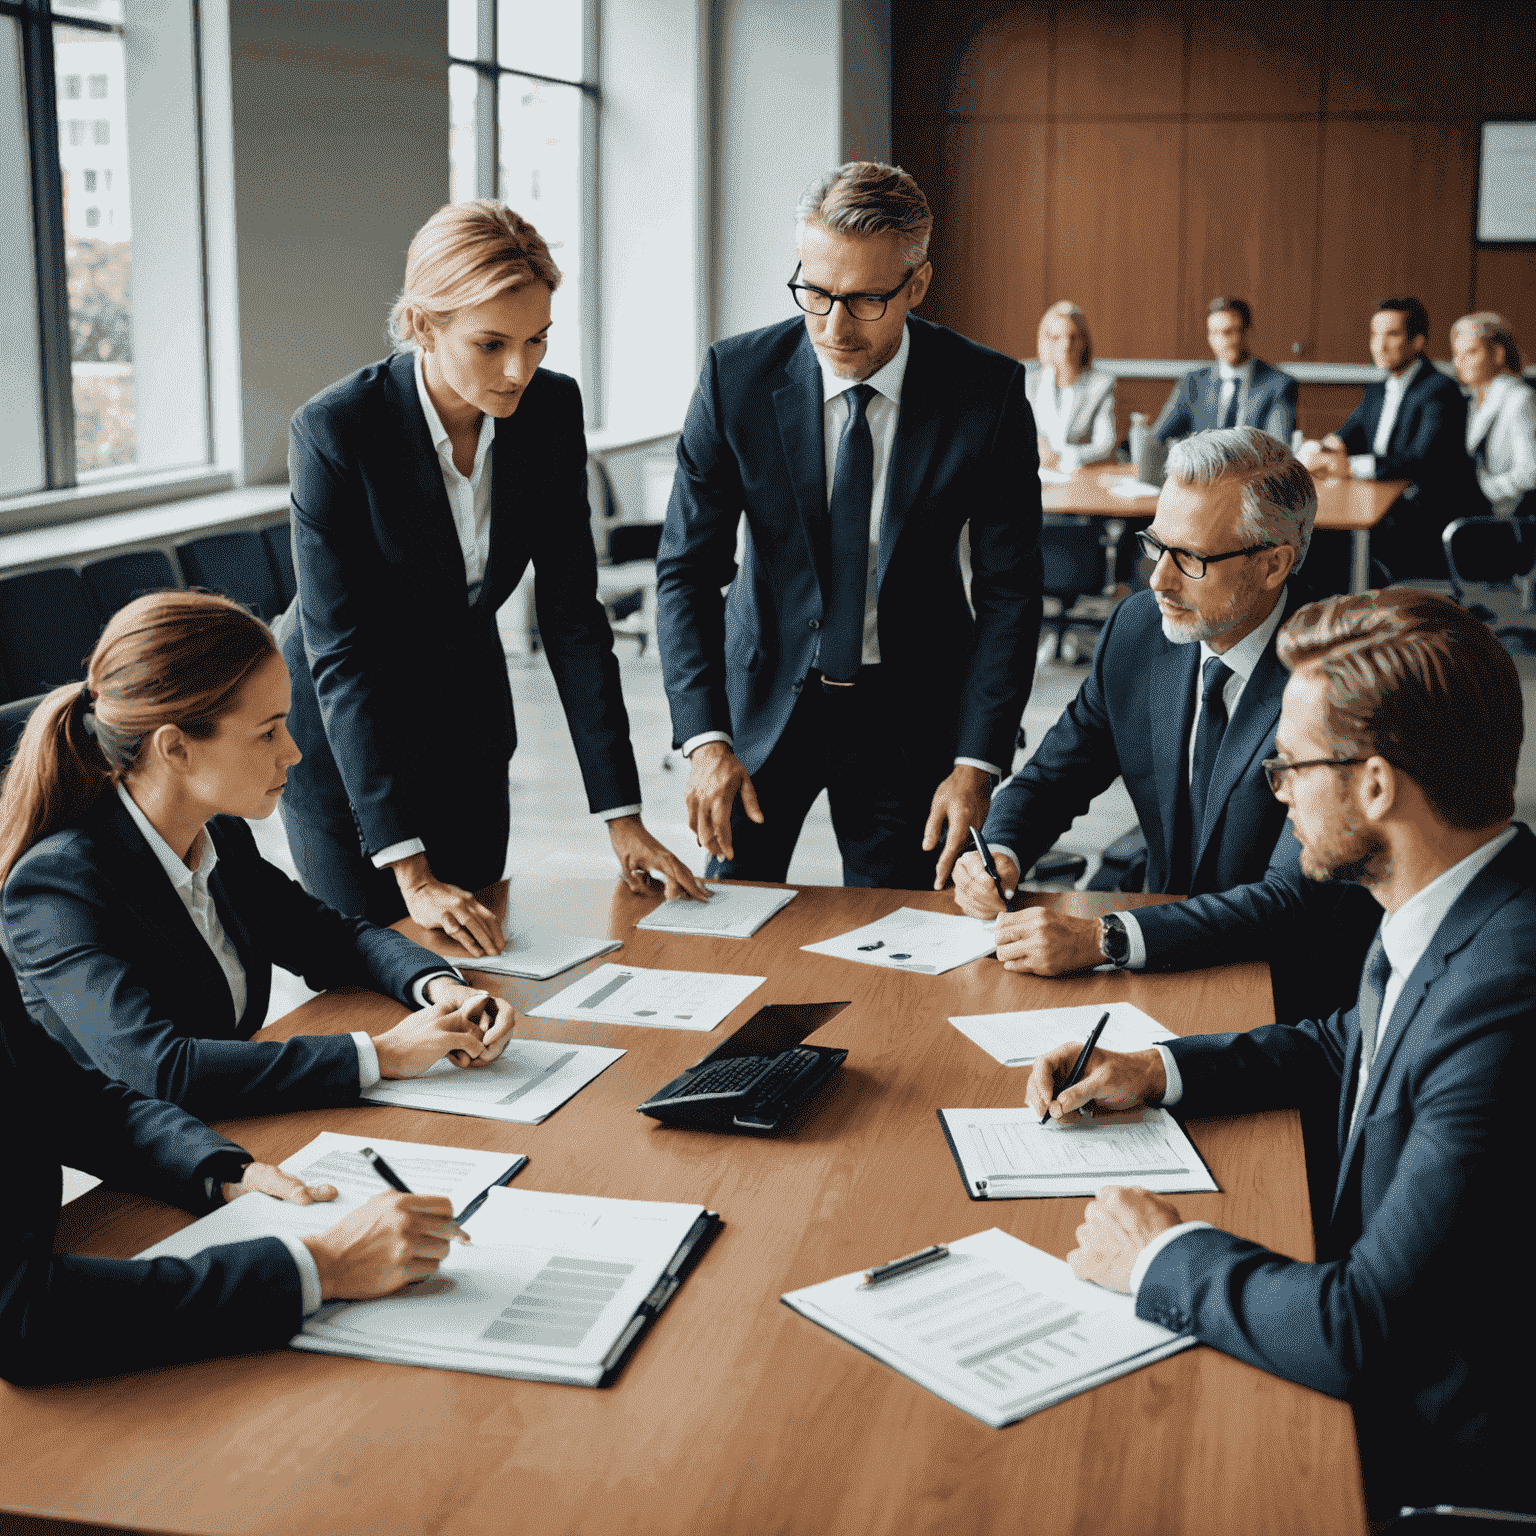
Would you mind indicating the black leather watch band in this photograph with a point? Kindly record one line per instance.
(1114, 941)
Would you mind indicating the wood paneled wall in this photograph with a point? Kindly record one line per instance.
(1140, 156)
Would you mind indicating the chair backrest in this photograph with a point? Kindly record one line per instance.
(280, 552)
(1492, 550)
(118, 580)
(633, 541)
(1073, 556)
(13, 721)
(236, 564)
(48, 627)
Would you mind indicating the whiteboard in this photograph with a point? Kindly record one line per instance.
(1506, 194)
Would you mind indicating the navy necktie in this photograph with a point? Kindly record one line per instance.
(1212, 726)
(1229, 416)
(1373, 988)
(853, 489)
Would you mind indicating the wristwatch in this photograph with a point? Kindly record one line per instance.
(1114, 941)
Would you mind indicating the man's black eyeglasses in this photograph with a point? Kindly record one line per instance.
(1191, 565)
(1275, 768)
(862, 306)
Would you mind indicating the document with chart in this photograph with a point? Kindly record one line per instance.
(550, 1288)
(538, 953)
(732, 912)
(909, 939)
(633, 994)
(1006, 1154)
(1015, 1039)
(526, 1084)
(333, 1158)
(997, 1328)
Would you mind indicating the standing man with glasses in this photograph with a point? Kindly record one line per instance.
(858, 441)
(1182, 702)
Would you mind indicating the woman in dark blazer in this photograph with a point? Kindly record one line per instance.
(141, 921)
(423, 486)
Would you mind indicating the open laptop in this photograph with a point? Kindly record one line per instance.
(755, 1079)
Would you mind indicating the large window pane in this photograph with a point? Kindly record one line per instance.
(541, 179)
(463, 83)
(97, 10)
(21, 422)
(463, 28)
(544, 36)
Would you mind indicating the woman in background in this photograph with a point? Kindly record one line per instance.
(1501, 426)
(1073, 402)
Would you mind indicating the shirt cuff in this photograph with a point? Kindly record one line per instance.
(1137, 960)
(412, 845)
(1144, 1258)
(616, 812)
(1362, 466)
(420, 985)
(976, 762)
(694, 742)
(367, 1062)
(309, 1274)
(1175, 1089)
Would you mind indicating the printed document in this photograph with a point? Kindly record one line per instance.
(539, 953)
(1015, 1039)
(632, 994)
(911, 940)
(1006, 1154)
(997, 1328)
(732, 912)
(526, 1084)
(1133, 490)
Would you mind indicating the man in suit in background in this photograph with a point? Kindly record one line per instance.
(1410, 426)
(858, 441)
(1398, 746)
(1240, 391)
(1182, 702)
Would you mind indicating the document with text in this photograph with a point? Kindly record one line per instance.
(732, 912)
(536, 953)
(909, 939)
(526, 1084)
(1016, 1039)
(633, 994)
(997, 1328)
(1006, 1154)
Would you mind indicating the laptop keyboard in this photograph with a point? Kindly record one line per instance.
(738, 1072)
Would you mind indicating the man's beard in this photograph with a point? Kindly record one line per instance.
(1347, 859)
(1209, 628)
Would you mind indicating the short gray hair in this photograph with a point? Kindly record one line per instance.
(868, 197)
(1279, 496)
(1494, 329)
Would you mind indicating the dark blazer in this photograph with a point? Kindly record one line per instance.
(401, 703)
(965, 450)
(111, 964)
(1417, 1308)
(62, 1316)
(1194, 404)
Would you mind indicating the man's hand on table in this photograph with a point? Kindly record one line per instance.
(1046, 942)
(639, 854)
(435, 903)
(1114, 1081)
(1117, 1225)
(715, 777)
(492, 1016)
(389, 1241)
(959, 803)
(266, 1179)
(455, 1029)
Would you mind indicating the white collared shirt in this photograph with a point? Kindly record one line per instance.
(1363, 465)
(469, 496)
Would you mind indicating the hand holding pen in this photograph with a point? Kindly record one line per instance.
(1112, 1081)
(1079, 1065)
(989, 864)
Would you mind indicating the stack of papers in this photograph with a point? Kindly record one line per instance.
(1006, 1154)
(1016, 1039)
(912, 940)
(732, 912)
(526, 1084)
(998, 1328)
(632, 994)
(539, 953)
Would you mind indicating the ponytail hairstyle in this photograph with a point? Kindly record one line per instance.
(168, 658)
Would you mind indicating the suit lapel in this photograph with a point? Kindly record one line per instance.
(432, 535)
(1171, 704)
(797, 404)
(915, 449)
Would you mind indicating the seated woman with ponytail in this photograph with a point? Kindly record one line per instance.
(140, 919)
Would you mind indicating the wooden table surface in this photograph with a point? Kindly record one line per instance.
(735, 1414)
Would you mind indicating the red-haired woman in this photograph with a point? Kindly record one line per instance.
(423, 487)
(141, 921)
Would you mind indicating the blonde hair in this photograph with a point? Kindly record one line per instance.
(1493, 329)
(465, 254)
(1065, 309)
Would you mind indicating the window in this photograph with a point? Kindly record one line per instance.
(523, 98)
(111, 356)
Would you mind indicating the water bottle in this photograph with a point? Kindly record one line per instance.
(1138, 441)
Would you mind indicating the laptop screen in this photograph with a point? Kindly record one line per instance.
(774, 1029)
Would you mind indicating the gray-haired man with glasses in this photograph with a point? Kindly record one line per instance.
(1182, 703)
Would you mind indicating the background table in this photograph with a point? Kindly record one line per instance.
(734, 1415)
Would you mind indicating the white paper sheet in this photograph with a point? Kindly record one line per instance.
(1132, 490)
(1016, 1039)
(732, 912)
(998, 1328)
(912, 940)
(1006, 1154)
(539, 953)
(526, 1084)
(632, 994)
(1054, 476)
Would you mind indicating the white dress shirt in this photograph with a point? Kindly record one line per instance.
(1503, 427)
(1058, 412)
(1405, 935)
(1363, 465)
(881, 413)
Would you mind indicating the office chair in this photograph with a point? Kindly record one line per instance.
(236, 564)
(13, 721)
(1453, 1520)
(626, 572)
(48, 627)
(114, 582)
(280, 552)
(1496, 551)
(1072, 551)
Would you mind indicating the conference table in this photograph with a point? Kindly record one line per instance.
(734, 1414)
(1343, 505)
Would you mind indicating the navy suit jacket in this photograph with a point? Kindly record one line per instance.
(1194, 403)
(1418, 1306)
(63, 1316)
(401, 702)
(965, 450)
(111, 964)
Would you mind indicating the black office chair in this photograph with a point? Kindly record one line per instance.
(1072, 552)
(1123, 864)
(1498, 552)
(236, 564)
(1058, 867)
(48, 627)
(1453, 1520)
(280, 552)
(116, 581)
(13, 721)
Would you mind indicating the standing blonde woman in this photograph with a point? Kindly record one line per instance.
(423, 486)
(1073, 402)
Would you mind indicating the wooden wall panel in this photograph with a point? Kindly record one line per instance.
(1507, 72)
(1113, 245)
(1410, 58)
(1506, 284)
(1145, 395)
(1002, 68)
(1321, 408)
(1259, 248)
(1119, 57)
(1255, 55)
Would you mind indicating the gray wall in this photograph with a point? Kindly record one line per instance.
(340, 116)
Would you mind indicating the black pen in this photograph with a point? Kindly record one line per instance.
(991, 868)
(1080, 1063)
(905, 1266)
(384, 1171)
